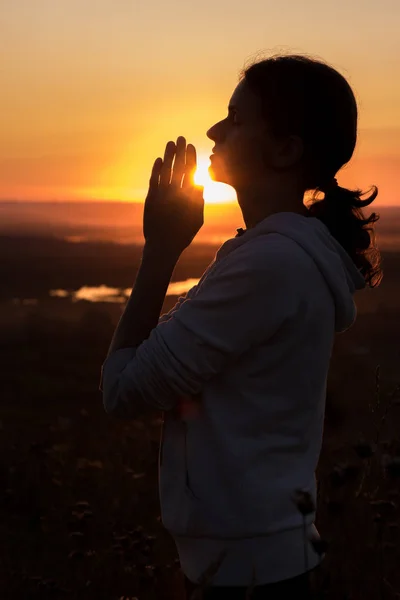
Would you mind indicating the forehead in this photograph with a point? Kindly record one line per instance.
(245, 100)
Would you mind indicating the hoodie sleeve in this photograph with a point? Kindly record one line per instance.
(190, 294)
(242, 303)
(179, 302)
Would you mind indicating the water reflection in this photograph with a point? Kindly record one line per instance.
(104, 293)
(178, 288)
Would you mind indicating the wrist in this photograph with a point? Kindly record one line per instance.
(159, 253)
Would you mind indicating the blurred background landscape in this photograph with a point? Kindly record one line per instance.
(79, 511)
(91, 92)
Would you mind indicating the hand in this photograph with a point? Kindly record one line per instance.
(173, 209)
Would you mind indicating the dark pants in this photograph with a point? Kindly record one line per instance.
(298, 588)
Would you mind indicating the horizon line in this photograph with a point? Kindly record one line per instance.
(110, 201)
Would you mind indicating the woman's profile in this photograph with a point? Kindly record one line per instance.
(239, 366)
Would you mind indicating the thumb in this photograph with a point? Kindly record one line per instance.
(198, 194)
(188, 179)
(199, 190)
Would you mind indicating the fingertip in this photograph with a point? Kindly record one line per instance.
(157, 164)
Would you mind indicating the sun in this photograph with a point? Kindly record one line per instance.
(214, 192)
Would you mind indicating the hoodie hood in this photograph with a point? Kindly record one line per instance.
(338, 269)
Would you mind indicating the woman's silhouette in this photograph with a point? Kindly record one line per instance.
(239, 366)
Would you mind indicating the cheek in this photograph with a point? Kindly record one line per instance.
(248, 150)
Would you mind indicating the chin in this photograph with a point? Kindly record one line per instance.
(218, 175)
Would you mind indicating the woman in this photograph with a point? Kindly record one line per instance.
(239, 366)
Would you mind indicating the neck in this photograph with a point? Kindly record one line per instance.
(262, 200)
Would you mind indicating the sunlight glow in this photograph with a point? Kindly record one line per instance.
(214, 192)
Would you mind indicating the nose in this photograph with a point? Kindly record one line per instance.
(215, 133)
(210, 133)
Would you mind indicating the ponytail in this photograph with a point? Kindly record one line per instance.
(341, 211)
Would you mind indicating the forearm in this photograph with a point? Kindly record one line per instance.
(144, 305)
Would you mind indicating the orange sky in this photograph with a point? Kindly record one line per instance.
(92, 91)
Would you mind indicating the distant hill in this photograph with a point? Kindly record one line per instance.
(121, 222)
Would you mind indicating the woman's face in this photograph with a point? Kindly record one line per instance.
(245, 149)
(242, 142)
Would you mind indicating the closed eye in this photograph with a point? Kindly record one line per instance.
(233, 117)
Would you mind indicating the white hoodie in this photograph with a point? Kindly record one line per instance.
(250, 347)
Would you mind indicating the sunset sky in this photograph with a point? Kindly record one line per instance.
(91, 90)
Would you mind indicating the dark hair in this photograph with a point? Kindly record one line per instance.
(309, 98)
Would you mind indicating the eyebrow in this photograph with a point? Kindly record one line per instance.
(232, 107)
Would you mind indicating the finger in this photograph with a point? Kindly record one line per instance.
(190, 167)
(155, 173)
(179, 162)
(167, 164)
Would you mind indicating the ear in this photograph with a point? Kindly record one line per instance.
(289, 151)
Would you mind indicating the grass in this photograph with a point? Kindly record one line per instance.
(79, 516)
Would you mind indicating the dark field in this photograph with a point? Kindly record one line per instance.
(79, 508)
